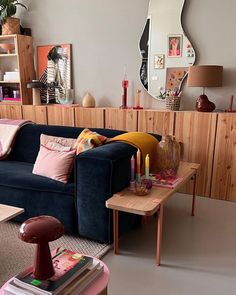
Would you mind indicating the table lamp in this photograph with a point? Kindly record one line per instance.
(205, 76)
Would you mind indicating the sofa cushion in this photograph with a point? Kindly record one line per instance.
(54, 164)
(19, 175)
(87, 140)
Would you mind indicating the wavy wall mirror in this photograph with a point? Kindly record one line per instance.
(165, 49)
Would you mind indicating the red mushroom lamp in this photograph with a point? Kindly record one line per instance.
(41, 230)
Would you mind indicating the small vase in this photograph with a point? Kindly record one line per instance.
(88, 101)
(168, 155)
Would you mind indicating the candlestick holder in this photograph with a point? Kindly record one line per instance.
(125, 84)
(137, 101)
(132, 185)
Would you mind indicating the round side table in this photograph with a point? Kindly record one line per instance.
(99, 287)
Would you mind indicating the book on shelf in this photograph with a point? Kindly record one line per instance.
(78, 285)
(11, 99)
(68, 266)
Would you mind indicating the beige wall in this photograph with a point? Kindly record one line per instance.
(105, 36)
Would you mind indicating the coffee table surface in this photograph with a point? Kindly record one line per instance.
(8, 212)
(127, 201)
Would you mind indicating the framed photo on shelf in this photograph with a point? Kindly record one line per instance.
(174, 46)
(159, 61)
(54, 68)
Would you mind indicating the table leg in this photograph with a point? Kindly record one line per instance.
(115, 231)
(194, 193)
(159, 234)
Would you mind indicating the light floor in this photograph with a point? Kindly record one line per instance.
(198, 253)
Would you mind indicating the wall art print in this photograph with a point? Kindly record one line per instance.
(54, 71)
(175, 78)
(174, 48)
(159, 61)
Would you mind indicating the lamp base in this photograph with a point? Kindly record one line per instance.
(203, 104)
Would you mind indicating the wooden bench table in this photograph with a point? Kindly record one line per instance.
(127, 201)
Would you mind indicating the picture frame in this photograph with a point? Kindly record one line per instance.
(174, 45)
(42, 53)
(54, 63)
(159, 61)
(175, 77)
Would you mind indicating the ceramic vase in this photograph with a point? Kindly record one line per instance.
(88, 101)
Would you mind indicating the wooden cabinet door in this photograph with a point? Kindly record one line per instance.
(224, 169)
(126, 120)
(197, 133)
(158, 122)
(37, 114)
(61, 115)
(11, 112)
(89, 117)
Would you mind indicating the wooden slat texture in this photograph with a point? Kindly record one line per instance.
(224, 171)
(127, 201)
(126, 120)
(25, 53)
(197, 133)
(37, 114)
(61, 115)
(11, 112)
(89, 117)
(158, 122)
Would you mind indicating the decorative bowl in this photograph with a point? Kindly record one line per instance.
(141, 189)
(8, 47)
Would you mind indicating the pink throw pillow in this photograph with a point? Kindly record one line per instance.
(56, 165)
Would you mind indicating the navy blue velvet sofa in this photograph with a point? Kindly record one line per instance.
(80, 204)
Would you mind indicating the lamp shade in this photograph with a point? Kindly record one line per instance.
(205, 76)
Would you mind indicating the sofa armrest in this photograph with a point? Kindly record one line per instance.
(100, 173)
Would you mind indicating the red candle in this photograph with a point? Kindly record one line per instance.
(125, 84)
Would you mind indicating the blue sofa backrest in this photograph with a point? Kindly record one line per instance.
(27, 142)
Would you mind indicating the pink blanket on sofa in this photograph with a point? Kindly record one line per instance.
(8, 131)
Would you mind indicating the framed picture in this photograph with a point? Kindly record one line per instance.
(174, 48)
(175, 78)
(54, 69)
(159, 61)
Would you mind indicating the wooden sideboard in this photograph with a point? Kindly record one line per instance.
(208, 138)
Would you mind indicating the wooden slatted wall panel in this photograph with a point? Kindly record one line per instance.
(37, 114)
(61, 115)
(11, 112)
(126, 120)
(224, 171)
(197, 133)
(158, 122)
(89, 117)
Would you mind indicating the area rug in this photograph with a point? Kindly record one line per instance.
(16, 255)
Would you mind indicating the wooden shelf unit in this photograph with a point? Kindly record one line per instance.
(23, 60)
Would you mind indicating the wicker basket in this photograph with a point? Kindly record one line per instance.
(173, 103)
(11, 26)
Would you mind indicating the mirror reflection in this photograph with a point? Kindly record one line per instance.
(166, 51)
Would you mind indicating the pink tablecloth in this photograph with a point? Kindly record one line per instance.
(97, 287)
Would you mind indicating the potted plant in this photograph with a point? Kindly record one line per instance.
(10, 25)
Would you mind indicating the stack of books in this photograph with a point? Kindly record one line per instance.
(167, 182)
(73, 274)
